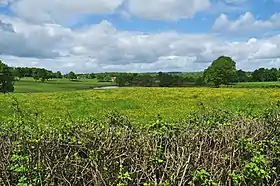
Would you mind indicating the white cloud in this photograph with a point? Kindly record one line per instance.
(167, 9)
(246, 23)
(235, 1)
(62, 11)
(21, 39)
(102, 47)
(58, 11)
(4, 2)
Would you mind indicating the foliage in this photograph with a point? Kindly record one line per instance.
(71, 76)
(104, 77)
(221, 71)
(263, 74)
(241, 76)
(58, 75)
(114, 151)
(6, 78)
(153, 80)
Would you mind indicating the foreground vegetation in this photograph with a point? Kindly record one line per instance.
(212, 147)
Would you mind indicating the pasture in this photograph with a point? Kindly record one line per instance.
(140, 104)
(27, 85)
(272, 84)
(140, 136)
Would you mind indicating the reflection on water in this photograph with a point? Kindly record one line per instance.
(107, 87)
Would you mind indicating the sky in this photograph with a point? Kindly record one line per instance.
(139, 35)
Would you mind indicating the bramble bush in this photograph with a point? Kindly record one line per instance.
(208, 148)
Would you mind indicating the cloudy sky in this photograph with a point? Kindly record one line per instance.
(139, 35)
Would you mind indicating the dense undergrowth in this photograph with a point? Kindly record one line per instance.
(207, 148)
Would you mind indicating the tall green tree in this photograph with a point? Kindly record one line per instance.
(58, 75)
(6, 78)
(241, 76)
(72, 76)
(92, 76)
(221, 71)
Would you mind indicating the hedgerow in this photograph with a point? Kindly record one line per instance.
(209, 148)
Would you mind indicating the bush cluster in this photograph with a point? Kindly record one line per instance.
(211, 148)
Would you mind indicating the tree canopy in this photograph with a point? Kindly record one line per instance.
(221, 71)
(72, 75)
(6, 78)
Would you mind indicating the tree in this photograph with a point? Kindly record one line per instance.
(241, 76)
(72, 76)
(221, 71)
(92, 76)
(58, 75)
(165, 80)
(19, 72)
(6, 78)
(103, 77)
(40, 74)
(122, 80)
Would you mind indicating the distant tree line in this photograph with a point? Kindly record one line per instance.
(161, 79)
(37, 73)
(222, 71)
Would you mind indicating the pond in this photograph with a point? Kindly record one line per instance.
(106, 87)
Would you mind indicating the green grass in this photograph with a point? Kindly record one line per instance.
(46, 132)
(27, 85)
(257, 84)
(140, 104)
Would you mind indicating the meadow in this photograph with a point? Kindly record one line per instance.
(27, 85)
(139, 136)
(272, 84)
(140, 104)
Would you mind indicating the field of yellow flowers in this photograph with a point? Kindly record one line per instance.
(139, 104)
(141, 136)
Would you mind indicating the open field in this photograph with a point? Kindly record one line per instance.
(55, 85)
(273, 84)
(206, 136)
(141, 104)
(218, 137)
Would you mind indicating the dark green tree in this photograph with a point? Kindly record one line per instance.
(72, 76)
(259, 75)
(241, 76)
(6, 78)
(122, 80)
(58, 75)
(92, 76)
(19, 72)
(221, 71)
(40, 74)
(165, 80)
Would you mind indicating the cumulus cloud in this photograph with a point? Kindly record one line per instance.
(102, 47)
(60, 11)
(234, 1)
(3, 2)
(25, 40)
(53, 11)
(167, 10)
(246, 23)
(6, 27)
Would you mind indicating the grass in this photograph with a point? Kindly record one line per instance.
(27, 85)
(226, 136)
(140, 104)
(257, 84)
(212, 147)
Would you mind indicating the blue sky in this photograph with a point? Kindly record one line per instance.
(139, 35)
